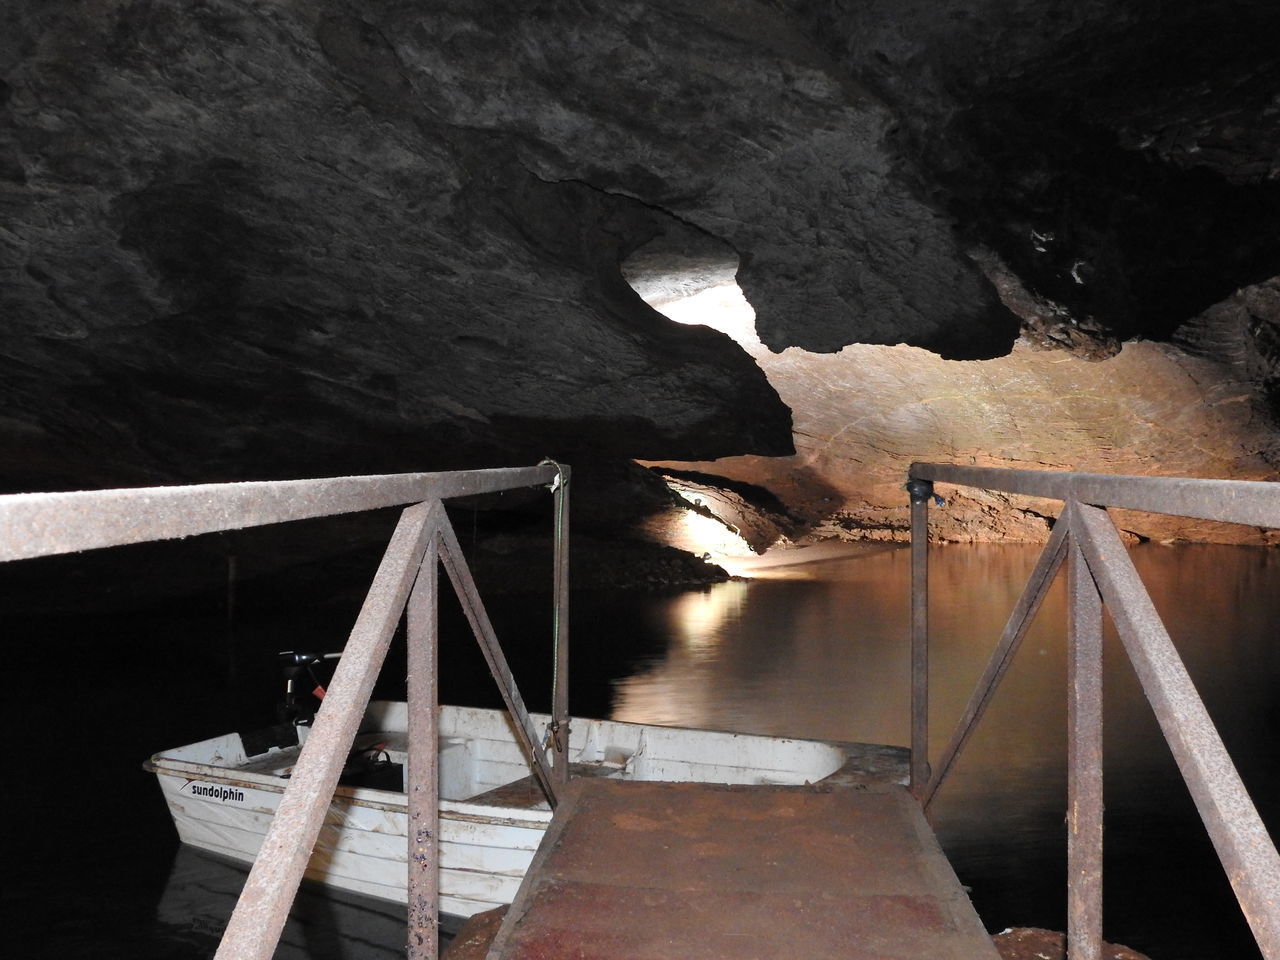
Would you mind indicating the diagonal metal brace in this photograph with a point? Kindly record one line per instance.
(1046, 570)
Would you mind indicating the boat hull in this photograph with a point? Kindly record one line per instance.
(223, 801)
(362, 845)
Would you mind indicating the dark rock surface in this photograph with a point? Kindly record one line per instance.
(241, 239)
(1123, 159)
(244, 240)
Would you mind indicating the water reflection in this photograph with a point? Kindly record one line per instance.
(323, 924)
(827, 657)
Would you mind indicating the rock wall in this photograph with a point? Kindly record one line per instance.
(245, 239)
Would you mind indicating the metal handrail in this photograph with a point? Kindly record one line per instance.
(1100, 571)
(1253, 502)
(44, 524)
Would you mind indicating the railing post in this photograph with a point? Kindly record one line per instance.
(920, 491)
(560, 688)
(423, 772)
(1084, 758)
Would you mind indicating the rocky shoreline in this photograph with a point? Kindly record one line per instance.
(1033, 943)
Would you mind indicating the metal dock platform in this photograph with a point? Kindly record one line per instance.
(687, 871)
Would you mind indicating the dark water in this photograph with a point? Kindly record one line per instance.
(97, 684)
(826, 657)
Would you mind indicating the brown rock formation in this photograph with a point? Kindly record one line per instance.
(1032, 943)
(864, 414)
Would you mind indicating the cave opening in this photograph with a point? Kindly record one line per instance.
(693, 288)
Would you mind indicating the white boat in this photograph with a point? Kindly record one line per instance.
(492, 815)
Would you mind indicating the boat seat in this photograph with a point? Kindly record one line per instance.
(525, 794)
(279, 763)
(273, 764)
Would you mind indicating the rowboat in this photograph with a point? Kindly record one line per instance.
(223, 792)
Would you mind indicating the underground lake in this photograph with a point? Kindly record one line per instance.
(818, 650)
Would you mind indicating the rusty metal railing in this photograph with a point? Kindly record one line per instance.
(42, 524)
(1100, 571)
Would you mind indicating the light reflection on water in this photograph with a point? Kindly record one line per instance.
(827, 657)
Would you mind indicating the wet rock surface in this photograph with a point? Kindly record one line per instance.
(1032, 943)
(476, 936)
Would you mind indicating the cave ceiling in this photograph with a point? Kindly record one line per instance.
(246, 239)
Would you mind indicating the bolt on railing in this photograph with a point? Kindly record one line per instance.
(43, 524)
(1100, 571)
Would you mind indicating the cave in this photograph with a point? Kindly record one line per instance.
(739, 263)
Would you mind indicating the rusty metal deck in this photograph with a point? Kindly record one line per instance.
(667, 871)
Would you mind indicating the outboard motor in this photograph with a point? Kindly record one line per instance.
(368, 764)
(303, 690)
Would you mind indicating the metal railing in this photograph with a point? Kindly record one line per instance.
(42, 524)
(1100, 571)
